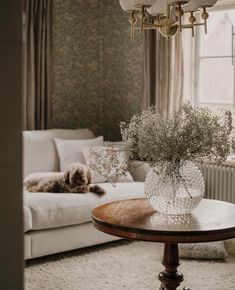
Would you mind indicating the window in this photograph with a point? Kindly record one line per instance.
(215, 86)
(213, 76)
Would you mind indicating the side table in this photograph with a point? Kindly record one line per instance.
(135, 219)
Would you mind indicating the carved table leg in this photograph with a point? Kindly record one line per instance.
(170, 278)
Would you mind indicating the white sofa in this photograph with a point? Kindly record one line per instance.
(55, 222)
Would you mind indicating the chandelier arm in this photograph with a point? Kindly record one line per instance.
(142, 16)
(142, 20)
(192, 25)
(205, 16)
(132, 21)
(192, 20)
(153, 25)
(149, 26)
(175, 24)
(179, 13)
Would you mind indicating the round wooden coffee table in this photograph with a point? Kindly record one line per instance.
(135, 219)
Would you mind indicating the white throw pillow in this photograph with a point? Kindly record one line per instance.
(99, 160)
(204, 251)
(71, 151)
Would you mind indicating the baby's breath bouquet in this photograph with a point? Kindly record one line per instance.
(188, 134)
(170, 145)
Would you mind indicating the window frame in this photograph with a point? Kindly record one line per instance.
(197, 59)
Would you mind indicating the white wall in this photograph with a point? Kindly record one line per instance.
(11, 239)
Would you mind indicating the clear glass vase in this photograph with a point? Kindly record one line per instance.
(169, 195)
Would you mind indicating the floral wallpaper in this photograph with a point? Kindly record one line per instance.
(97, 68)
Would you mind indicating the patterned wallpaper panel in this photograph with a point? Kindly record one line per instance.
(97, 68)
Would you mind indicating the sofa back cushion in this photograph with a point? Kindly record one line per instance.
(71, 151)
(39, 152)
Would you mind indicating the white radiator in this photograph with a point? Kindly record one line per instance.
(219, 181)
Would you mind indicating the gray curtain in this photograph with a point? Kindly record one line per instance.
(163, 72)
(37, 63)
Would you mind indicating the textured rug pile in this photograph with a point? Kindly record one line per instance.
(123, 265)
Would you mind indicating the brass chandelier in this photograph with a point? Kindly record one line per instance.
(167, 15)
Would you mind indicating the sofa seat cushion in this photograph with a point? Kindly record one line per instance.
(53, 210)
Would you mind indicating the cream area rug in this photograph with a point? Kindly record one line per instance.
(123, 265)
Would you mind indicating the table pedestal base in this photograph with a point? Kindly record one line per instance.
(170, 278)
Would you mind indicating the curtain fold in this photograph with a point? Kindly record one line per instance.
(37, 64)
(163, 72)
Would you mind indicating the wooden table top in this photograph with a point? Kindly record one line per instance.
(212, 220)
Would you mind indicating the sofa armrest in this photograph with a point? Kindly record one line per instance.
(230, 161)
(139, 170)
